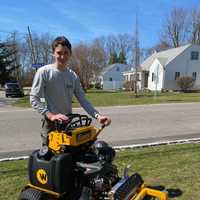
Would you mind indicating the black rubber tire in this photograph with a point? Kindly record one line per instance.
(31, 194)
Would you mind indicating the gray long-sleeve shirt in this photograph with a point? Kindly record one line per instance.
(57, 87)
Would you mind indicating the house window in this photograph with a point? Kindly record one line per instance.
(194, 76)
(110, 79)
(194, 55)
(153, 77)
(177, 75)
(138, 77)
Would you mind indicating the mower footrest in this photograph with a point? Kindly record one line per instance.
(152, 193)
(126, 188)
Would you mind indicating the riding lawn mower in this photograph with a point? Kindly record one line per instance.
(76, 166)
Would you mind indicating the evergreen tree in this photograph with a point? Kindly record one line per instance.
(7, 62)
(122, 58)
(113, 58)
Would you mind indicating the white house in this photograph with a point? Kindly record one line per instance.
(131, 76)
(112, 76)
(160, 70)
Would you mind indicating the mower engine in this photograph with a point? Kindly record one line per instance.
(99, 175)
(102, 176)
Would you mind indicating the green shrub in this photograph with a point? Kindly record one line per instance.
(185, 82)
(128, 85)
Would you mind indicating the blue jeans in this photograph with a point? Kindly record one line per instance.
(47, 126)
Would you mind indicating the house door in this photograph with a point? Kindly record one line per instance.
(146, 75)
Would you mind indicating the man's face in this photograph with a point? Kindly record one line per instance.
(61, 55)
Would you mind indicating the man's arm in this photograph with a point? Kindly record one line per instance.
(37, 92)
(80, 95)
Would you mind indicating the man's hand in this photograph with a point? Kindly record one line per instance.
(60, 117)
(104, 120)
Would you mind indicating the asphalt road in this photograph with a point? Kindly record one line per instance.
(20, 128)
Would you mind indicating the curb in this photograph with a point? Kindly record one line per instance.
(134, 146)
(123, 147)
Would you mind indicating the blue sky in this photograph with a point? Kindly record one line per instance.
(84, 20)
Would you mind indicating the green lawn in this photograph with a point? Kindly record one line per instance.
(174, 167)
(114, 98)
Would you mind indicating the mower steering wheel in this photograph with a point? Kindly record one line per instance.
(75, 121)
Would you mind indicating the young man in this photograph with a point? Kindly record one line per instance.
(57, 84)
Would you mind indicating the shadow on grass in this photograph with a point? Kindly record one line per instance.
(101, 91)
(13, 171)
(145, 96)
(175, 100)
(141, 96)
(172, 193)
(165, 152)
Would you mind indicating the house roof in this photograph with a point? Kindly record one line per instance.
(162, 61)
(125, 66)
(164, 57)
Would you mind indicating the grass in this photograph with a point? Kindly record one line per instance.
(175, 167)
(114, 98)
(13, 177)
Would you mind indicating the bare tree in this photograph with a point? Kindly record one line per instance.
(175, 29)
(42, 52)
(161, 46)
(195, 26)
(25, 50)
(14, 43)
(124, 43)
(87, 61)
(97, 57)
(101, 42)
(115, 44)
(42, 48)
(136, 56)
(112, 44)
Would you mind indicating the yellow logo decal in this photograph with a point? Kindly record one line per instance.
(42, 176)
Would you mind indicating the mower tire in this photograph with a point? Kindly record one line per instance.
(32, 194)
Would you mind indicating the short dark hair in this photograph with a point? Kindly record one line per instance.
(63, 41)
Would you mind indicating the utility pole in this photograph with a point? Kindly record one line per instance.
(32, 47)
(156, 81)
(136, 55)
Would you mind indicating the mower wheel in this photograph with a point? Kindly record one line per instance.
(31, 194)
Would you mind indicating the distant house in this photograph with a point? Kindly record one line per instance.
(161, 70)
(112, 76)
(131, 76)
